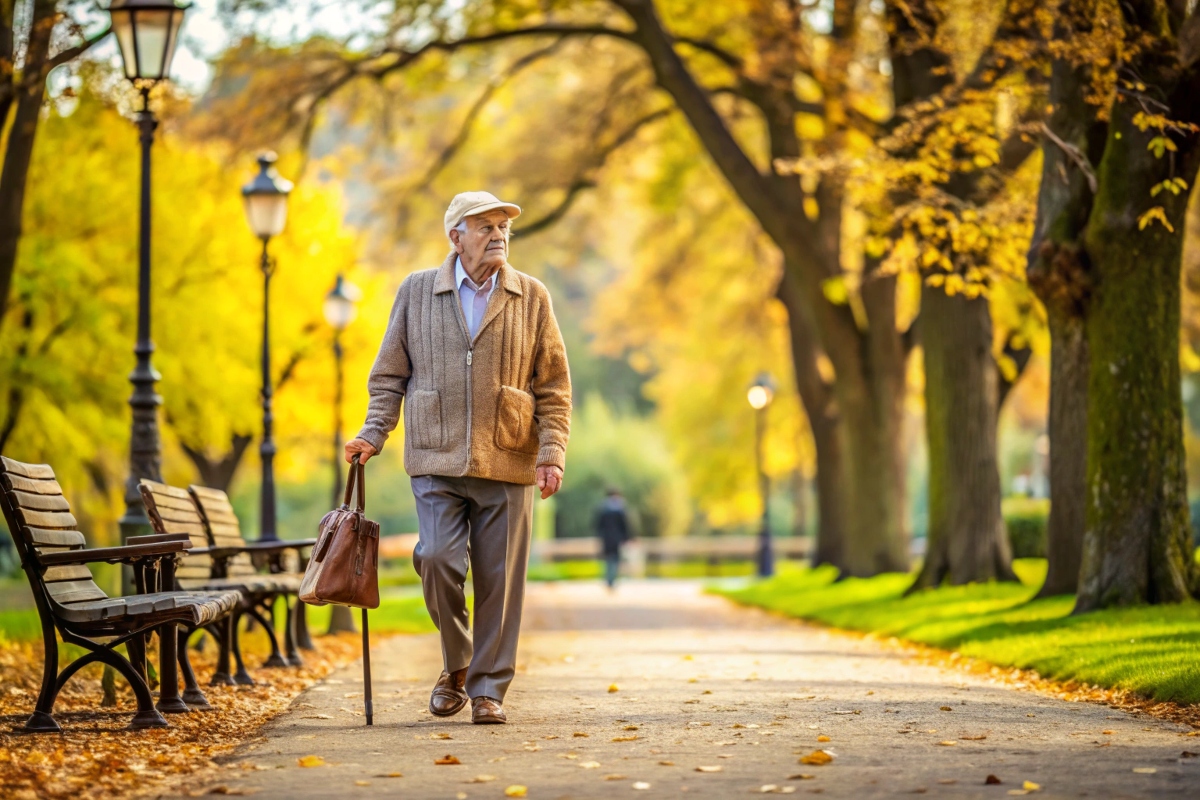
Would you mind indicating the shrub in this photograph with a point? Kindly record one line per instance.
(1026, 519)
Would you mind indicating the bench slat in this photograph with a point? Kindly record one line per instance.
(47, 519)
(27, 470)
(225, 519)
(75, 591)
(40, 502)
(40, 537)
(209, 494)
(163, 489)
(23, 484)
(170, 501)
(67, 572)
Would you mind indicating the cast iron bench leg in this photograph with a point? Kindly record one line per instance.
(290, 636)
(240, 677)
(192, 695)
(223, 631)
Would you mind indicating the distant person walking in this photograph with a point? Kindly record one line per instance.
(612, 526)
(474, 352)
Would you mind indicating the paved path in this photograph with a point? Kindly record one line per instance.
(703, 684)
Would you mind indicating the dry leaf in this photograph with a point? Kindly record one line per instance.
(580, 735)
(590, 764)
(614, 777)
(446, 760)
(311, 761)
(316, 716)
(516, 790)
(666, 763)
(1107, 733)
(801, 776)
(948, 781)
(947, 708)
(978, 738)
(1145, 770)
(823, 738)
(630, 728)
(708, 769)
(612, 687)
(641, 786)
(362, 783)
(992, 780)
(391, 775)
(624, 738)
(771, 788)
(816, 758)
(439, 736)
(482, 779)
(1031, 786)
(947, 743)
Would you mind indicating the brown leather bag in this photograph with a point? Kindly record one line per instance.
(344, 568)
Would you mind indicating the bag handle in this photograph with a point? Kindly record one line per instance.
(356, 479)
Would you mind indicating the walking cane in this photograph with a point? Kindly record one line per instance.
(367, 669)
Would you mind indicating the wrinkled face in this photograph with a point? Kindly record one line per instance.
(484, 246)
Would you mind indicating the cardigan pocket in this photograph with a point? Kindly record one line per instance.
(514, 421)
(425, 419)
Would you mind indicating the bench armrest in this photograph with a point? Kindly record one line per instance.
(155, 538)
(125, 554)
(282, 544)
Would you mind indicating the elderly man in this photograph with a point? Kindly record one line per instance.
(475, 352)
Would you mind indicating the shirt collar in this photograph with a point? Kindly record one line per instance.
(460, 275)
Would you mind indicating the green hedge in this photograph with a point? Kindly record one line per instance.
(1026, 519)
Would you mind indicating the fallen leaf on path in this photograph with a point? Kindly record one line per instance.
(614, 777)
(310, 761)
(590, 764)
(551, 736)
(612, 687)
(482, 779)
(630, 728)
(580, 735)
(624, 738)
(823, 738)
(316, 716)
(362, 783)
(447, 760)
(992, 780)
(1145, 770)
(666, 763)
(948, 743)
(947, 708)
(440, 736)
(707, 691)
(533, 748)
(816, 758)
(978, 738)
(232, 791)
(515, 791)
(771, 788)
(709, 769)
(1188, 754)
(1107, 733)
(801, 776)
(948, 781)
(391, 775)
(641, 786)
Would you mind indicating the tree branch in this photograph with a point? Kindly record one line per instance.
(72, 53)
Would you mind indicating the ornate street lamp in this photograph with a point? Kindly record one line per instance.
(147, 32)
(760, 394)
(341, 308)
(266, 199)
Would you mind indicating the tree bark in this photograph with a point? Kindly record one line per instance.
(30, 93)
(217, 473)
(1137, 543)
(1068, 452)
(967, 541)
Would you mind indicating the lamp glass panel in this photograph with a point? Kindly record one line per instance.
(172, 40)
(123, 28)
(339, 311)
(266, 213)
(151, 27)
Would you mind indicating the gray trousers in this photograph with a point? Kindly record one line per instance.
(487, 524)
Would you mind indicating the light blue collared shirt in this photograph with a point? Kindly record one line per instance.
(474, 298)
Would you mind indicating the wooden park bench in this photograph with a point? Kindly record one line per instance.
(219, 560)
(55, 559)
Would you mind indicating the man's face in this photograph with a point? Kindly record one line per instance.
(484, 247)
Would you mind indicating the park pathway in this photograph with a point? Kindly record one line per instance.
(661, 690)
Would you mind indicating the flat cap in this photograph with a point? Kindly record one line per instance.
(468, 204)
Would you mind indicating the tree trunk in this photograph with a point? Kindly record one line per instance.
(1068, 452)
(1137, 543)
(19, 147)
(341, 620)
(967, 541)
(217, 473)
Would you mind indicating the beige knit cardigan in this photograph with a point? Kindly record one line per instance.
(494, 407)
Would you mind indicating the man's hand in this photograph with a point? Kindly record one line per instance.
(362, 448)
(549, 480)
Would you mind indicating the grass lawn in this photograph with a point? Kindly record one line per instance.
(1151, 650)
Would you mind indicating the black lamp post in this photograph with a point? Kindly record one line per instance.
(341, 307)
(760, 394)
(266, 210)
(147, 32)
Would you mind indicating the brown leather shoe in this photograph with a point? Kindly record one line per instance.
(448, 697)
(486, 711)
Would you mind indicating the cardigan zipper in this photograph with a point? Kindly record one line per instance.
(462, 321)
